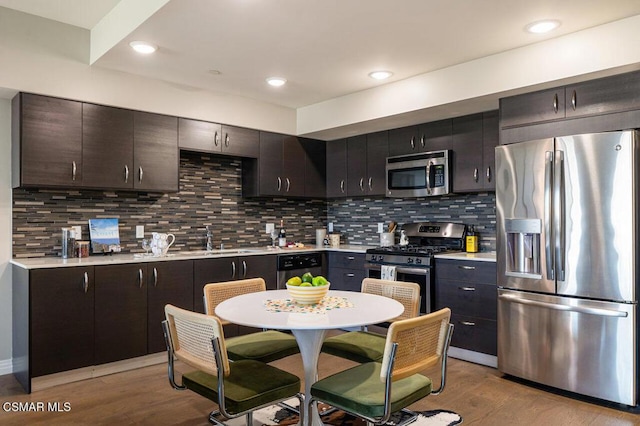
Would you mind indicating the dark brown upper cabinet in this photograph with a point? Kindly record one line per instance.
(156, 158)
(431, 136)
(204, 136)
(336, 170)
(404, 140)
(46, 142)
(366, 162)
(474, 140)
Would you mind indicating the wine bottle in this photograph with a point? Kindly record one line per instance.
(282, 235)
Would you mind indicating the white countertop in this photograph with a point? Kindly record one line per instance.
(117, 259)
(481, 257)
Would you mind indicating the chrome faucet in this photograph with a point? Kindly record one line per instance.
(209, 239)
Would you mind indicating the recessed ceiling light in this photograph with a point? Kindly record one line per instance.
(276, 81)
(380, 75)
(143, 47)
(540, 27)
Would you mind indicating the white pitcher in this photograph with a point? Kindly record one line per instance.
(160, 243)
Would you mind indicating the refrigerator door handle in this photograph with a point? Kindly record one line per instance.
(558, 215)
(548, 213)
(558, 307)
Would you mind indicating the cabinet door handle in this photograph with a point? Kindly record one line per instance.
(370, 183)
(574, 100)
(74, 169)
(422, 141)
(468, 268)
(342, 186)
(488, 174)
(216, 139)
(475, 174)
(85, 283)
(279, 183)
(140, 174)
(226, 140)
(361, 184)
(467, 288)
(288, 184)
(350, 275)
(468, 323)
(413, 142)
(126, 173)
(140, 277)
(233, 269)
(155, 277)
(244, 269)
(555, 103)
(351, 258)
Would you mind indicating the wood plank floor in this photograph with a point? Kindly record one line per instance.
(140, 397)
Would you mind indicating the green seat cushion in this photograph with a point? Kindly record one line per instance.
(250, 384)
(358, 346)
(264, 346)
(360, 391)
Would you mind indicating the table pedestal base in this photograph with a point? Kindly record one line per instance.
(310, 343)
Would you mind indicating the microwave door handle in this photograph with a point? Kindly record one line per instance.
(548, 212)
(559, 213)
(429, 177)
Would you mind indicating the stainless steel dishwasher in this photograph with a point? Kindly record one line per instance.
(291, 265)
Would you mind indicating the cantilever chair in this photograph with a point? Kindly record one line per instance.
(264, 346)
(375, 390)
(364, 346)
(239, 387)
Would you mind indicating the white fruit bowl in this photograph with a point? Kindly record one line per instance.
(307, 295)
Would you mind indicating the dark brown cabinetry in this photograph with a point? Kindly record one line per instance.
(120, 312)
(346, 270)
(107, 147)
(167, 282)
(432, 136)
(474, 140)
(337, 168)
(156, 158)
(231, 268)
(287, 166)
(204, 136)
(62, 312)
(469, 289)
(366, 161)
(60, 143)
(604, 104)
(46, 141)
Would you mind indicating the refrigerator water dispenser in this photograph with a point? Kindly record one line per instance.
(523, 247)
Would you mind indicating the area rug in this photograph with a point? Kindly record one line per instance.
(276, 415)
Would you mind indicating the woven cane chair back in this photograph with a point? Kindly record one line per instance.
(421, 343)
(216, 293)
(406, 293)
(191, 336)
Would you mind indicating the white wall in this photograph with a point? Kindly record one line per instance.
(5, 236)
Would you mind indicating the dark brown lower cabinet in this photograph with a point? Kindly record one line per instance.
(62, 301)
(167, 282)
(120, 312)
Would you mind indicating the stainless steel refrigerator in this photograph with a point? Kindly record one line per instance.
(567, 231)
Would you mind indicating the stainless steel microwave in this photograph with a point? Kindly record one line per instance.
(418, 175)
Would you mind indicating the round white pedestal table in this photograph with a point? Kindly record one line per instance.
(309, 329)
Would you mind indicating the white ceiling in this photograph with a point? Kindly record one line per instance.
(324, 48)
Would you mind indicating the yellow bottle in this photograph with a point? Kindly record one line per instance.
(472, 240)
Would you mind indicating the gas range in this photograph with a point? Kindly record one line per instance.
(425, 240)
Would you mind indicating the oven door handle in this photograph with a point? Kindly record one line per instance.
(400, 269)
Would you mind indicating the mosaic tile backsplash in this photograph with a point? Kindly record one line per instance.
(211, 194)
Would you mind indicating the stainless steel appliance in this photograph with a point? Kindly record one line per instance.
(418, 175)
(567, 231)
(413, 262)
(296, 264)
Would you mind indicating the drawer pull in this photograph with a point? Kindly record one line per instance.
(351, 258)
(467, 288)
(468, 323)
(350, 275)
(467, 268)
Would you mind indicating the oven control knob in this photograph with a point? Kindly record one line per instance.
(418, 261)
(410, 260)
